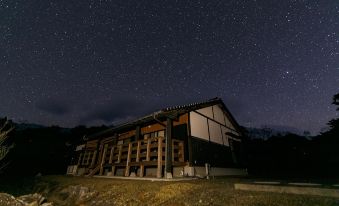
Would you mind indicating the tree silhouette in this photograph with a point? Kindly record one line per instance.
(334, 123)
(5, 128)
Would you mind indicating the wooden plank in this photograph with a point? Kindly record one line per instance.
(119, 155)
(113, 170)
(128, 160)
(138, 152)
(173, 150)
(159, 169)
(148, 150)
(84, 157)
(142, 169)
(93, 159)
(103, 160)
(169, 144)
(79, 160)
(111, 155)
(181, 152)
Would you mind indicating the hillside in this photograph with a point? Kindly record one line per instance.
(63, 190)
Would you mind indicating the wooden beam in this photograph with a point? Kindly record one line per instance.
(103, 160)
(137, 132)
(83, 157)
(189, 141)
(93, 159)
(159, 169)
(79, 160)
(138, 152)
(128, 159)
(113, 170)
(119, 155)
(111, 155)
(148, 151)
(142, 169)
(168, 153)
(173, 151)
(181, 152)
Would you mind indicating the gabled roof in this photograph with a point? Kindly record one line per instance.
(171, 112)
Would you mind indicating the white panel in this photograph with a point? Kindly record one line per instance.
(199, 126)
(207, 111)
(215, 132)
(228, 122)
(218, 114)
(224, 130)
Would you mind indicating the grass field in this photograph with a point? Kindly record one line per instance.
(135, 192)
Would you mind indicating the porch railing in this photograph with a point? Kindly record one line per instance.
(139, 154)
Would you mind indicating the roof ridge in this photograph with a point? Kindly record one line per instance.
(191, 104)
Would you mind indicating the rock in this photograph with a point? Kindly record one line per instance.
(77, 194)
(9, 200)
(32, 199)
(24, 200)
(47, 204)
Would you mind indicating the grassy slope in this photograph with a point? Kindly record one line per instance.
(197, 192)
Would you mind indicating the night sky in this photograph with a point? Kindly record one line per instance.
(68, 62)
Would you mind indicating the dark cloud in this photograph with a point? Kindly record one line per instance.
(111, 111)
(54, 107)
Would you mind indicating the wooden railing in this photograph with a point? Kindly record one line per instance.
(139, 154)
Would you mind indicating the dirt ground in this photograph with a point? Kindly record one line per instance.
(136, 192)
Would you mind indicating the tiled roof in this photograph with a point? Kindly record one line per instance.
(167, 112)
(192, 105)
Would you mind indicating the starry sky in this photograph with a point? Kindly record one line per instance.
(67, 62)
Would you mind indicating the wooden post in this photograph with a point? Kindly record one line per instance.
(111, 155)
(173, 154)
(93, 159)
(181, 151)
(113, 170)
(83, 157)
(79, 160)
(103, 159)
(100, 150)
(142, 168)
(159, 169)
(119, 155)
(189, 141)
(148, 152)
(168, 154)
(137, 133)
(128, 159)
(138, 152)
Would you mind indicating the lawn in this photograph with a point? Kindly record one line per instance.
(136, 192)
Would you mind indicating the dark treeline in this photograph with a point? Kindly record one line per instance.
(43, 150)
(291, 155)
(48, 150)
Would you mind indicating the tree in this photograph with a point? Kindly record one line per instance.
(334, 123)
(336, 100)
(5, 129)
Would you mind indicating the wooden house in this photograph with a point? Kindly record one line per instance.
(197, 139)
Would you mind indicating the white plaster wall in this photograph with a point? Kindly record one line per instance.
(225, 137)
(218, 114)
(199, 127)
(228, 122)
(207, 111)
(215, 132)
